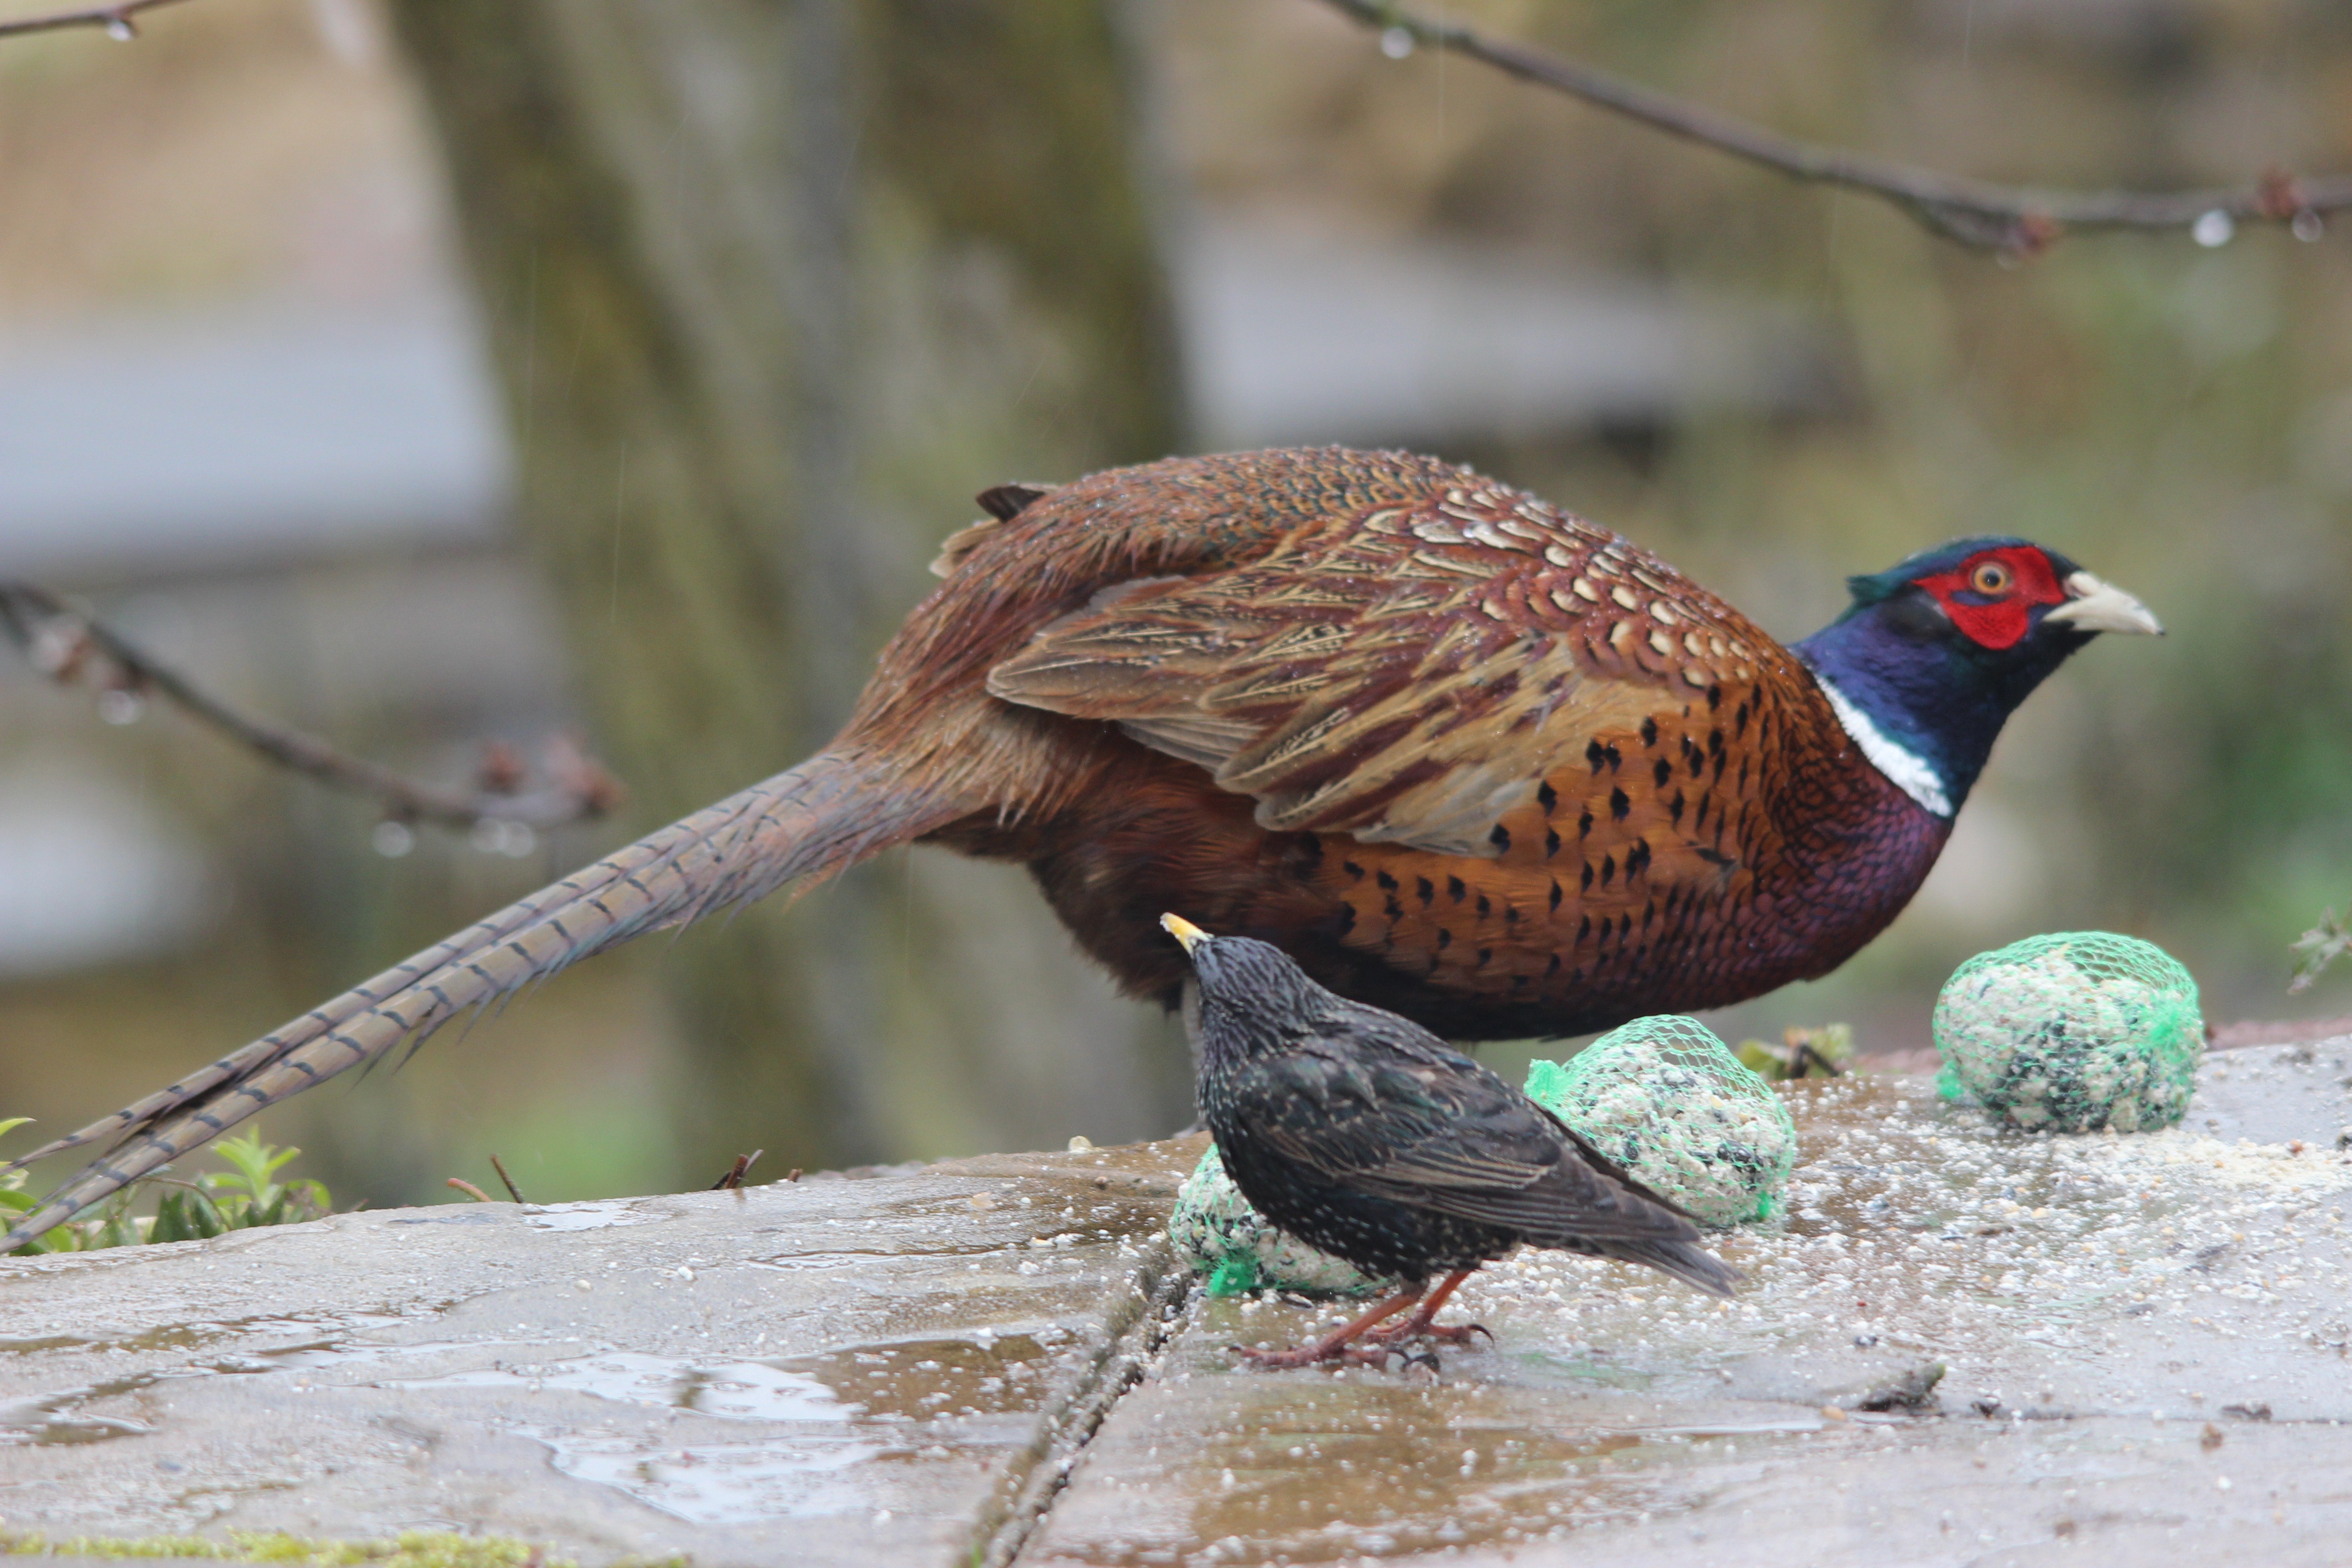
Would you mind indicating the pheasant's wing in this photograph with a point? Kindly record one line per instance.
(1406, 672)
(1412, 1122)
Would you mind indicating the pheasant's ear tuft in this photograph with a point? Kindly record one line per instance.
(1873, 588)
(1005, 502)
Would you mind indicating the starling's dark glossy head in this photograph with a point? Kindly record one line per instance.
(1253, 997)
(1936, 653)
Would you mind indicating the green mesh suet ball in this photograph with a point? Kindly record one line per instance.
(2073, 1032)
(1667, 1100)
(1215, 1230)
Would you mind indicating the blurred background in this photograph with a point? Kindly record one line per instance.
(440, 371)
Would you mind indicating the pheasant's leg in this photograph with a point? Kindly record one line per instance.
(1419, 1326)
(1338, 1344)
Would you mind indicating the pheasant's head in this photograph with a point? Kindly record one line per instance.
(1936, 653)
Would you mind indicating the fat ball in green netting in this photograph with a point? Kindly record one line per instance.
(2072, 1032)
(1215, 1230)
(1667, 1100)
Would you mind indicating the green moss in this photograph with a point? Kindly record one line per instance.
(413, 1549)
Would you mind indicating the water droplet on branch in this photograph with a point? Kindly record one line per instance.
(2308, 225)
(1398, 42)
(393, 839)
(495, 836)
(2213, 229)
(121, 29)
(120, 706)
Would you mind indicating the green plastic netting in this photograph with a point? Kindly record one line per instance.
(2073, 1032)
(1667, 1100)
(1215, 1230)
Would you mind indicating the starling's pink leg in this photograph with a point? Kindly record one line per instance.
(1335, 1345)
(1419, 1326)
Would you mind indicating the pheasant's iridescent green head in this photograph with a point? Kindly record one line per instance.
(1935, 652)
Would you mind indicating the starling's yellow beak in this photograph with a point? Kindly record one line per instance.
(2096, 607)
(1183, 930)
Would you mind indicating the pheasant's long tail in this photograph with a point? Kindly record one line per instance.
(793, 830)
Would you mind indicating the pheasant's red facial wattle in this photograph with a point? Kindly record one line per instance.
(1990, 595)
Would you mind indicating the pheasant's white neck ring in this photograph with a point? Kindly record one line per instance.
(1907, 769)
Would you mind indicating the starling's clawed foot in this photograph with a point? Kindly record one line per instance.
(1316, 1353)
(1415, 1329)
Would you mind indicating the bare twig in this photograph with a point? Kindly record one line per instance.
(735, 1172)
(65, 642)
(512, 1191)
(2009, 219)
(470, 1189)
(117, 19)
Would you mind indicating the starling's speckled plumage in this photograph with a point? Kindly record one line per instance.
(1364, 1135)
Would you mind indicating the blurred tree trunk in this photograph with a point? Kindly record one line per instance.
(773, 287)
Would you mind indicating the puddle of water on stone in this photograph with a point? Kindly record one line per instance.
(724, 1483)
(593, 1216)
(54, 1418)
(1371, 1472)
(742, 1391)
(194, 1336)
(57, 1416)
(826, 1415)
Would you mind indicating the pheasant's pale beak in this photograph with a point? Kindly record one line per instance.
(2094, 606)
(1183, 930)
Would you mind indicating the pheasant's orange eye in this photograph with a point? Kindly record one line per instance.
(1993, 577)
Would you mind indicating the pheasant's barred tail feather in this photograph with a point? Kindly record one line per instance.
(791, 830)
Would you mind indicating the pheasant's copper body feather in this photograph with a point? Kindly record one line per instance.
(1461, 754)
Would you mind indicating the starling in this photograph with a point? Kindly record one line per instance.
(1364, 1135)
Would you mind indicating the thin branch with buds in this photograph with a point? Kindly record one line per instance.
(66, 643)
(117, 19)
(2008, 219)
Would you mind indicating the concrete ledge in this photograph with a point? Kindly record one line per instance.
(2145, 1344)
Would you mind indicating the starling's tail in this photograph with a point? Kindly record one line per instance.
(793, 830)
(1686, 1260)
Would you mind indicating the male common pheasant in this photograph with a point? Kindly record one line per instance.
(1461, 754)
(1363, 1134)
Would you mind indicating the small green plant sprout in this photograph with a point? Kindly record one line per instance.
(1827, 1051)
(2320, 946)
(248, 1193)
(242, 1197)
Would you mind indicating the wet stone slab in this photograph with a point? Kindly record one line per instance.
(2143, 1338)
(877, 1371)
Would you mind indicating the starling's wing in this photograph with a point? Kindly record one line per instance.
(1416, 672)
(1424, 1126)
